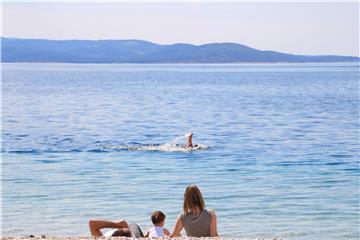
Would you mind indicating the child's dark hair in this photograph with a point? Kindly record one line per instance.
(157, 217)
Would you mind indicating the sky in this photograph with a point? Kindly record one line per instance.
(314, 28)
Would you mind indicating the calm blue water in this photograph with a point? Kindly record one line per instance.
(282, 158)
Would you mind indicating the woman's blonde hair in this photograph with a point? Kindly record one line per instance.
(192, 199)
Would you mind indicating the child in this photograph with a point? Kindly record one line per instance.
(158, 230)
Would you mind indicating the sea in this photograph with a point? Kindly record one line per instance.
(278, 155)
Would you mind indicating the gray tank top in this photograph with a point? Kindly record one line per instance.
(197, 225)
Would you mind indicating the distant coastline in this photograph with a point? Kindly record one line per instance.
(140, 52)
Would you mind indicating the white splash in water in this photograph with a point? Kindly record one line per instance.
(171, 146)
(174, 142)
(162, 148)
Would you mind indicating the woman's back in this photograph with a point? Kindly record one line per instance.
(197, 221)
(197, 225)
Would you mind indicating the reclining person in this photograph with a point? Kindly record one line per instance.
(118, 229)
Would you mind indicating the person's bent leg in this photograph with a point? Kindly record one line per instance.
(136, 230)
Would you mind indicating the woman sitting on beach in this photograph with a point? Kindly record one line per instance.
(197, 221)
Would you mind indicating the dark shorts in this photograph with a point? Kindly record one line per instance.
(136, 230)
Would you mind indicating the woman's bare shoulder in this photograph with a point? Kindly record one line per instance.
(211, 212)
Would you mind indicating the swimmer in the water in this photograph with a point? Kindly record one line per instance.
(170, 146)
(189, 141)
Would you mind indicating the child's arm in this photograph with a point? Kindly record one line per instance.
(146, 234)
(166, 232)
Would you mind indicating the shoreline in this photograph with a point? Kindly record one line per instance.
(180, 63)
(45, 237)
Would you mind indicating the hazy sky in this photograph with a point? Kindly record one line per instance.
(303, 28)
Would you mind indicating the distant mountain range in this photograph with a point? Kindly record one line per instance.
(138, 51)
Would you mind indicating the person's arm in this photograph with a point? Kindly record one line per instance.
(147, 234)
(178, 227)
(189, 140)
(166, 232)
(96, 225)
(213, 225)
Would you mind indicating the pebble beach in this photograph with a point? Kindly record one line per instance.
(124, 238)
